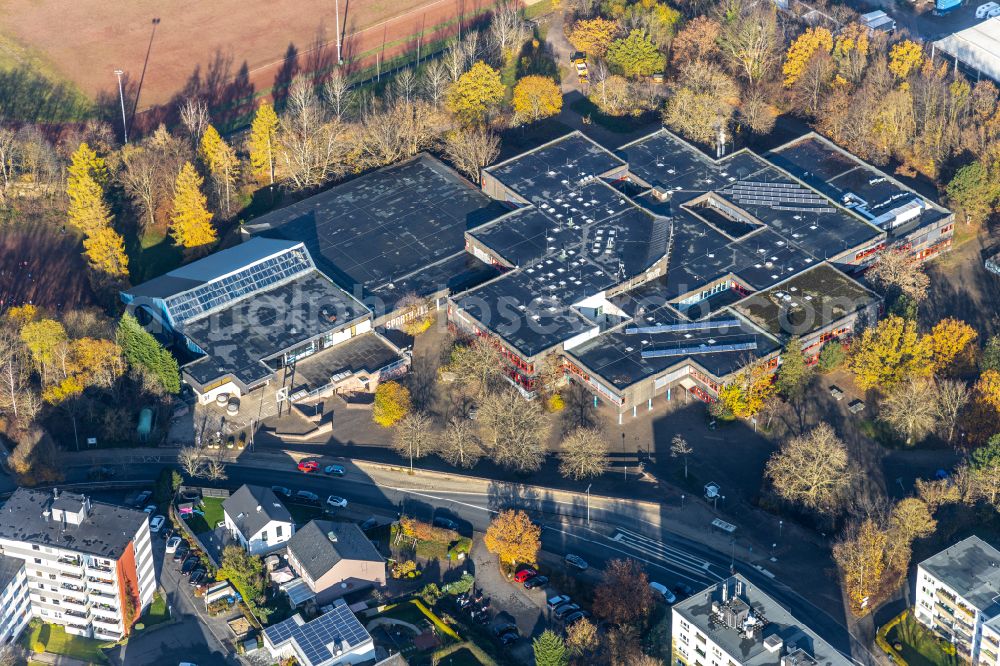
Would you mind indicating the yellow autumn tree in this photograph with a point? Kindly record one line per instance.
(987, 390)
(105, 251)
(802, 50)
(190, 221)
(262, 142)
(222, 163)
(905, 57)
(850, 52)
(593, 36)
(87, 209)
(392, 403)
(475, 93)
(889, 353)
(948, 340)
(513, 538)
(44, 338)
(747, 394)
(861, 556)
(536, 97)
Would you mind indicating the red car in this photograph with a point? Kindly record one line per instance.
(308, 466)
(524, 574)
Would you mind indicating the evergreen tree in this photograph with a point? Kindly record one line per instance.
(550, 649)
(141, 350)
(793, 374)
(190, 222)
(263, 139)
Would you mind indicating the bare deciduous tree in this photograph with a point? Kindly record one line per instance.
(454, 60)
(460, 444)
(471, 149)
(191, 461)
(911, 409)
(584, 454)
(812, 470)
(750, 42)
(413, 437)
(338, 94)
(194, 118)
(435, 81)
(952, 397)
(311, 147)
(507, 30)
(139, 178)
(16, 394)
(8, 150)
(898, 270)
(679, 448)
(515, 431)
(477, 365)
(404, 86)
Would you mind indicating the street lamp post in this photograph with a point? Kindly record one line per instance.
(588, 503)
(780, 525)
(340, 59)
(624, 461)
(682, 500)
(121, 98)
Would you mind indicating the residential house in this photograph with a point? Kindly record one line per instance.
(334, 558)
(256, 518)
(336, 637)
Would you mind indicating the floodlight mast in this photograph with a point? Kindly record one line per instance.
(121, 98)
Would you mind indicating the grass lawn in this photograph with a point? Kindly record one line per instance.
(918, 645)
(540, 8)
(153, 255)
(57, 641)
(406, 612)
(212, 507)
(463, 657)
(157, 611)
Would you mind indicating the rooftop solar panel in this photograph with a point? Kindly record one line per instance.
(699, 349)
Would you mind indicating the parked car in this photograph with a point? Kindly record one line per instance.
(181, 552)
(189, 564)
(336, 470)
(557, 600)
(369, 524)
(150, 508)
(142, 498)
(156, 524)
(172, 544)
(565, 609)
(984, 10)
(510, 637)
(683, 590)
(335, 501)
(281, 490)
(577, 561)
(446, 523)
(535, 581)
(524, 574)
(198, 576)
(662, 590)
(308, 466)
(504, 628)
(575, 616)
(306, 496)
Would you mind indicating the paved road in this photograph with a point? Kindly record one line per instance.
(617, 528)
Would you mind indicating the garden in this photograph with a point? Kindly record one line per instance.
(210, 515)
(912, 644)
(53, 639)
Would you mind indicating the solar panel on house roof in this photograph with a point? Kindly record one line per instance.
(315, 638)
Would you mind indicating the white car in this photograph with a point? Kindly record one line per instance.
(156, 524)
(663, 591)
(333, 500)
(987, 9)
(173, 543)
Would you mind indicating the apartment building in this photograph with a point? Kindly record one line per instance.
(15, 609)
(89, 565)
(734, 623)
(958, 597)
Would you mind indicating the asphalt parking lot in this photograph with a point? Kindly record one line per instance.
(188, 637)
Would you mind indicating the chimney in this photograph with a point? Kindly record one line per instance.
(725, 591)
(55, 493)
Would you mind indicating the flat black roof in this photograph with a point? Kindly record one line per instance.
(386, 225)
(805, 303)
(617, 355)
(850, 182)
(555, 165)
(238, 338)
(368, 352)
(105, 532)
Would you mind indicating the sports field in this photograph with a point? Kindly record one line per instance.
(203, 45)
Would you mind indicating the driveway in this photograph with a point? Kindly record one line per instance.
(191, 636)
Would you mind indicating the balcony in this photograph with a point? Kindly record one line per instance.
(108, 622)
(101, 583)
(945, 611)
(94, 593)
(99, 567)
(67, 559)
(945, 596)
(71, 576)
(74, 602)
(990, 656)
(75, 613)
(104, 607)
(73, 587)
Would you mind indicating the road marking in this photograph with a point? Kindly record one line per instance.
(662, 551)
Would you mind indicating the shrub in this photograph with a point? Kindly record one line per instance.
(460, 586)
(831, 357)
(38, 646)
(430, 594)
(555, 403)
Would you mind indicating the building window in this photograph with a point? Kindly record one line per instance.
(278, 532)
(34, 547)
(38, 560)
(701, 639)
(263, 536)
